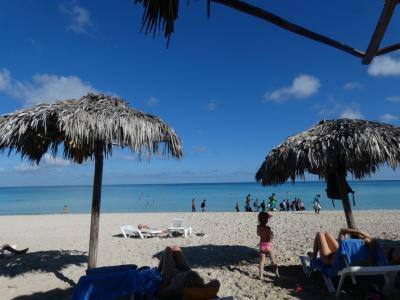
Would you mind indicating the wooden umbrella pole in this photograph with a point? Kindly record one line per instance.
(96, 200)
(341, 179)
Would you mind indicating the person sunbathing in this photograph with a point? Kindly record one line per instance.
(179, 278)
(327, 246)
(7, 247)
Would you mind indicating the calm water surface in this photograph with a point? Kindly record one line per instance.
(177, 197)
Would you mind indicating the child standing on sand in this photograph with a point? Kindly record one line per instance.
(266, 235)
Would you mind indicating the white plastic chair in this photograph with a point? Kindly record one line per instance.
(177, 226)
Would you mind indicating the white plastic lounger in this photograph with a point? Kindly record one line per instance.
(177, 226)
(389, 272)
(129, 230)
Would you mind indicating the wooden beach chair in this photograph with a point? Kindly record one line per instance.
(344, 267)
(177, 226)
(129, 230)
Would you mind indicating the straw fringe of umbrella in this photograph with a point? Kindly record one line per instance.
(79, 124)
(88, 128)
(359, 147)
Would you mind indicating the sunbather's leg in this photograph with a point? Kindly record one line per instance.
(180, 259)
(321, 246)
(167, 265)
(261, 266)
(332, 242)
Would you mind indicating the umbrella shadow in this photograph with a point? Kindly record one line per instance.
(205, 256)
(60, 294)
(52, 261)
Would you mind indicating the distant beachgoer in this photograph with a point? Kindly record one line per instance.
(293, 205)
(237, 207)
(178, 277)
(272, 202)
(203, 205)
(282, 205)
(256, 206)
(317, 204)
(266, 235)
(193, 205)
(287, 204)
(65, 209)
(7, 247)
(301, 205)
(262, 206)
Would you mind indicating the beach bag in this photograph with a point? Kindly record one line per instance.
(332, 188)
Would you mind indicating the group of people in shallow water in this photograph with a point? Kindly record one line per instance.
(271, 205)
(203, 205)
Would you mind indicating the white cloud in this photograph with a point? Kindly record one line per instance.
(351, 113)
(44, 88)
(23, 168)
(303, 86)
(152, 101)
(393, 98)
(211, 106)
(51, 161)
(79, 17)
(5, 79)
(352, 85)
(389, 118)
(47, 162)
(384, 66)
(199, 149)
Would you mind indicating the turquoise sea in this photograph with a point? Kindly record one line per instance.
(177, 197)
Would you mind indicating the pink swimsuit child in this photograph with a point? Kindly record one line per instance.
(265, 246)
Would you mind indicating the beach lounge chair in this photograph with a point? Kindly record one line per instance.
(177, 226)
(117, 281)
(354, 258)
(129, 230)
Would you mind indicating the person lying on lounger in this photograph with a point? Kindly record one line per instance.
(327, 246)
(179, 278)
(7, 247)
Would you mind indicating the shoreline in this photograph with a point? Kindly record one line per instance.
(58, 246)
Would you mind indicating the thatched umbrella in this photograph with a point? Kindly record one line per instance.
(330, 150)
(87, 128)
(160, 15)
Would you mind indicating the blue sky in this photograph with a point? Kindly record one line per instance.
(232, 86)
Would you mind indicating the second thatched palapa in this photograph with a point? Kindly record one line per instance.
(330, 150)
(87, 128)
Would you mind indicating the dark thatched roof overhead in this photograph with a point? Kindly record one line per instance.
(95, 120)
(354, 146)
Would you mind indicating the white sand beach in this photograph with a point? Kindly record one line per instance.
(59, 243)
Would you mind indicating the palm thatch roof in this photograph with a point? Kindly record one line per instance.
(356, 146)
(160, 15)
(81, 125)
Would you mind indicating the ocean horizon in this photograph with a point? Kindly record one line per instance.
(176, 197)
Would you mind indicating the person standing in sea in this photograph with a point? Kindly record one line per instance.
(237, 206)
(193, 205)
(203, 206)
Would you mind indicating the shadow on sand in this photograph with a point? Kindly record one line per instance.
(59, 294)
(218, 255)
(52, 261)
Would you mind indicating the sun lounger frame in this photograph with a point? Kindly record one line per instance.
(389, 273)
(129, 230)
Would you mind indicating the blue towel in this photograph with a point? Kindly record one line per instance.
(112, 282)
(354, 252)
